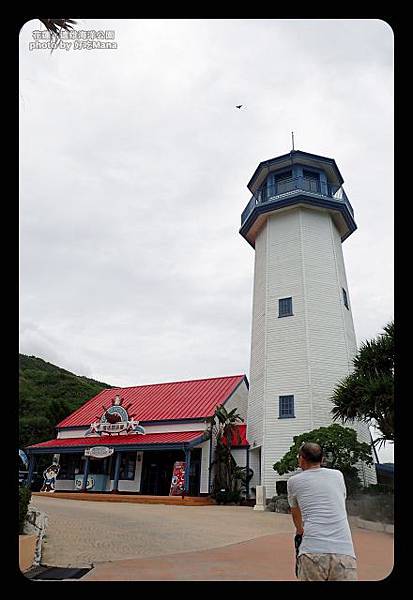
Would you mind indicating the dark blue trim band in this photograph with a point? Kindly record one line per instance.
(198, 441)
(299, 198)
(117, 447)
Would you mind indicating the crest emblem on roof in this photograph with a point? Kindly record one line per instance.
(115, 420)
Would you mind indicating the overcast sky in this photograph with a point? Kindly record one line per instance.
(133, 170)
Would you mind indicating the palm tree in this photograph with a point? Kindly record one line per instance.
(55, 26)
(367, 394)
(225, 432)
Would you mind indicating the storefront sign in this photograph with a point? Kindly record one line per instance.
(99, 451)
(115, 419)
(178, 479)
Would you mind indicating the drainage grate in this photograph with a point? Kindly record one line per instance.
(58, 573)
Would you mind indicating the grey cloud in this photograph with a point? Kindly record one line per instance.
(133, 171)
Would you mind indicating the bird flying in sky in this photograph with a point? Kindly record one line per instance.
(239, 106)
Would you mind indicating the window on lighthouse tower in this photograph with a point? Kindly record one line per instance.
(285, 307)
(286, 407)
(345, 299)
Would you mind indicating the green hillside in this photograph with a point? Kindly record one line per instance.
(48, 394)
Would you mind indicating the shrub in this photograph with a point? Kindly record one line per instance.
(341, 448)
(378, 507)
(228, 496)
(25, 495)
(352, 480)
(378, 488)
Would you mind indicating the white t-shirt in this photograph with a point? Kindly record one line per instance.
(320, 494)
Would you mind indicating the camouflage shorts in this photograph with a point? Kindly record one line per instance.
(327, 567)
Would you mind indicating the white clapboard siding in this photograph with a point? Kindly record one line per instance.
(240, 456)
(298, 254)
(239, 400)
(257, 364)
(156, 428)
(72, 433)
(205, 446)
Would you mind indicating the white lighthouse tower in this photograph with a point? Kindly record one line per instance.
(303, 339)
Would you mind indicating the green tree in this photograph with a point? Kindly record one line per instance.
(367, 394)
(341, 449)
(57, 409)
(34, 429)
(227, 475)
(48, 394)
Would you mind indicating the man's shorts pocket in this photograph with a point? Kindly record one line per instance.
(347, 562)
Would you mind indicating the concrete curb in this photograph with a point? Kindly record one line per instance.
(36, 524)
(373, 525)
(131, 498)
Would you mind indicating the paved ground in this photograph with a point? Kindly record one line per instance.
(158, 542)
(267, 558)
(81, 533)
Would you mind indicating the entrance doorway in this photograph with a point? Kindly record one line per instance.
(157, 469)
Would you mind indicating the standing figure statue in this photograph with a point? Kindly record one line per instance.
(50, 475)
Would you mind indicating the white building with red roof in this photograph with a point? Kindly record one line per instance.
(131, 439)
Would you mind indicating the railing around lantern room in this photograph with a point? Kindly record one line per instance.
(288, 187)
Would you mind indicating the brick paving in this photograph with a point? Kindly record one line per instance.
(158, 542)
(267, 558)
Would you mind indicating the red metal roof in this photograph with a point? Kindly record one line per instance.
(176, 437)
(160, 401)
(242, 439)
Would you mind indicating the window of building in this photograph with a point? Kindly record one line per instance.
(311, 180)
(127, 466)
(285, 307)
(345, 298)
(286, 407)
(311, 175)
(282, 176)
(70, 465)
(283, 182)
(98, 466)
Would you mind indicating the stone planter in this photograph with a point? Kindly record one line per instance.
(27, 550)
(279, 504)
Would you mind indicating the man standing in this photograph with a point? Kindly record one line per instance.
(317, 499)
